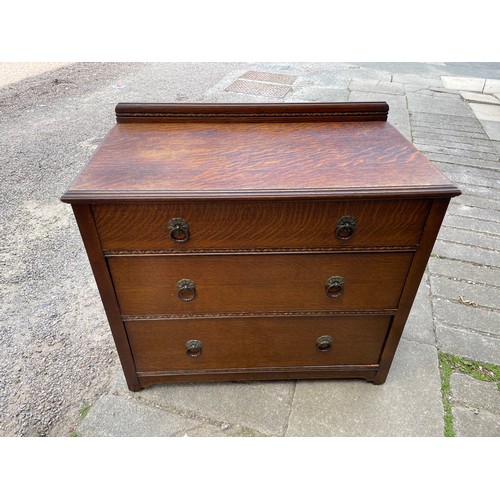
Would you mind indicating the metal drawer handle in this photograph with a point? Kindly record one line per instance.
(193, 348)
(324, 343)
(346, 226)
(335, 286)
(186, 290)
(178, 230)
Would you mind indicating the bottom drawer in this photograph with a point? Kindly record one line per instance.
(263, 342)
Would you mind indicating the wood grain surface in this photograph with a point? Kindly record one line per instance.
(256, 342)
(207, 160)
(261, 282)
(262, 224)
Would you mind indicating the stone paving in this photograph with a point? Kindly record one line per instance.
(454, 121)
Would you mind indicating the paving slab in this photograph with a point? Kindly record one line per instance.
(377, 86)
(467, 253)
(492, 129)
(223, 430)
(488, 112)
(415, 81)
(460, 153)
(408, 404)
(468, 344)
(483, 214)
(468, 137)
(468, 422)
(315, 93)
(261, 406)
(460, 160)
(419, 326)
(451, 142)
(480, 202)
(467, 316)
(491, 86)
(465, 271)
(436, 105)
(479, 97)
(463, 83)
(340, 77)
(454, 289)
(331, 79)
(473, 393)
(479, 239)
(469, 183)
(114, 416)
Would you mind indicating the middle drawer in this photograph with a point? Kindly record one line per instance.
(172, 284)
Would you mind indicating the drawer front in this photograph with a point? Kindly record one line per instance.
(261, 282)
(256, 342)
(244, 225)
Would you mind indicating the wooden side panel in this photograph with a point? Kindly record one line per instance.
(415, 274)
(90, 237)
(260, 282)
(260, 224)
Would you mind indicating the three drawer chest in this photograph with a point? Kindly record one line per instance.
(257, 241)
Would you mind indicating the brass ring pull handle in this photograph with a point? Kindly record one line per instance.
(335, 286)
(186, 290)
(346, 226)
(324, 343)
(193, 348)
(178, 230)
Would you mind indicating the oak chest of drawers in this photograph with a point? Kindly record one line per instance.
(257, 241)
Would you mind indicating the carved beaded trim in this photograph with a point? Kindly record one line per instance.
(140, 317)
(260, 250)
(246, 115)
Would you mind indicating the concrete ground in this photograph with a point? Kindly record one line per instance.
(60, 374)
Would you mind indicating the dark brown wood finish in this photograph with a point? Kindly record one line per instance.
(233, 112)
(222, 159)
(436, 215)
(259, 282)
(256, 342)
(366, 372)
(97, 261)
(258, 225)
(262, 188)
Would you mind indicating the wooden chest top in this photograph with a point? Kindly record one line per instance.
(160, 152)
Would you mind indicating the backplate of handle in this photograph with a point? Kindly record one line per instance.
(324, 343)
(346, 227)
(178, 230)
(186, 290)
(334, 286)
(193, 348)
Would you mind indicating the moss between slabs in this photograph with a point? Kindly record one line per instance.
(449, 363)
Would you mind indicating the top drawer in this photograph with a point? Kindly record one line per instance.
(218, 225)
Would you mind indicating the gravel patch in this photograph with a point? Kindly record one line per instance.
(55, 347)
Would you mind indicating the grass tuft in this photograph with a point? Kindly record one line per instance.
(83, 411)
